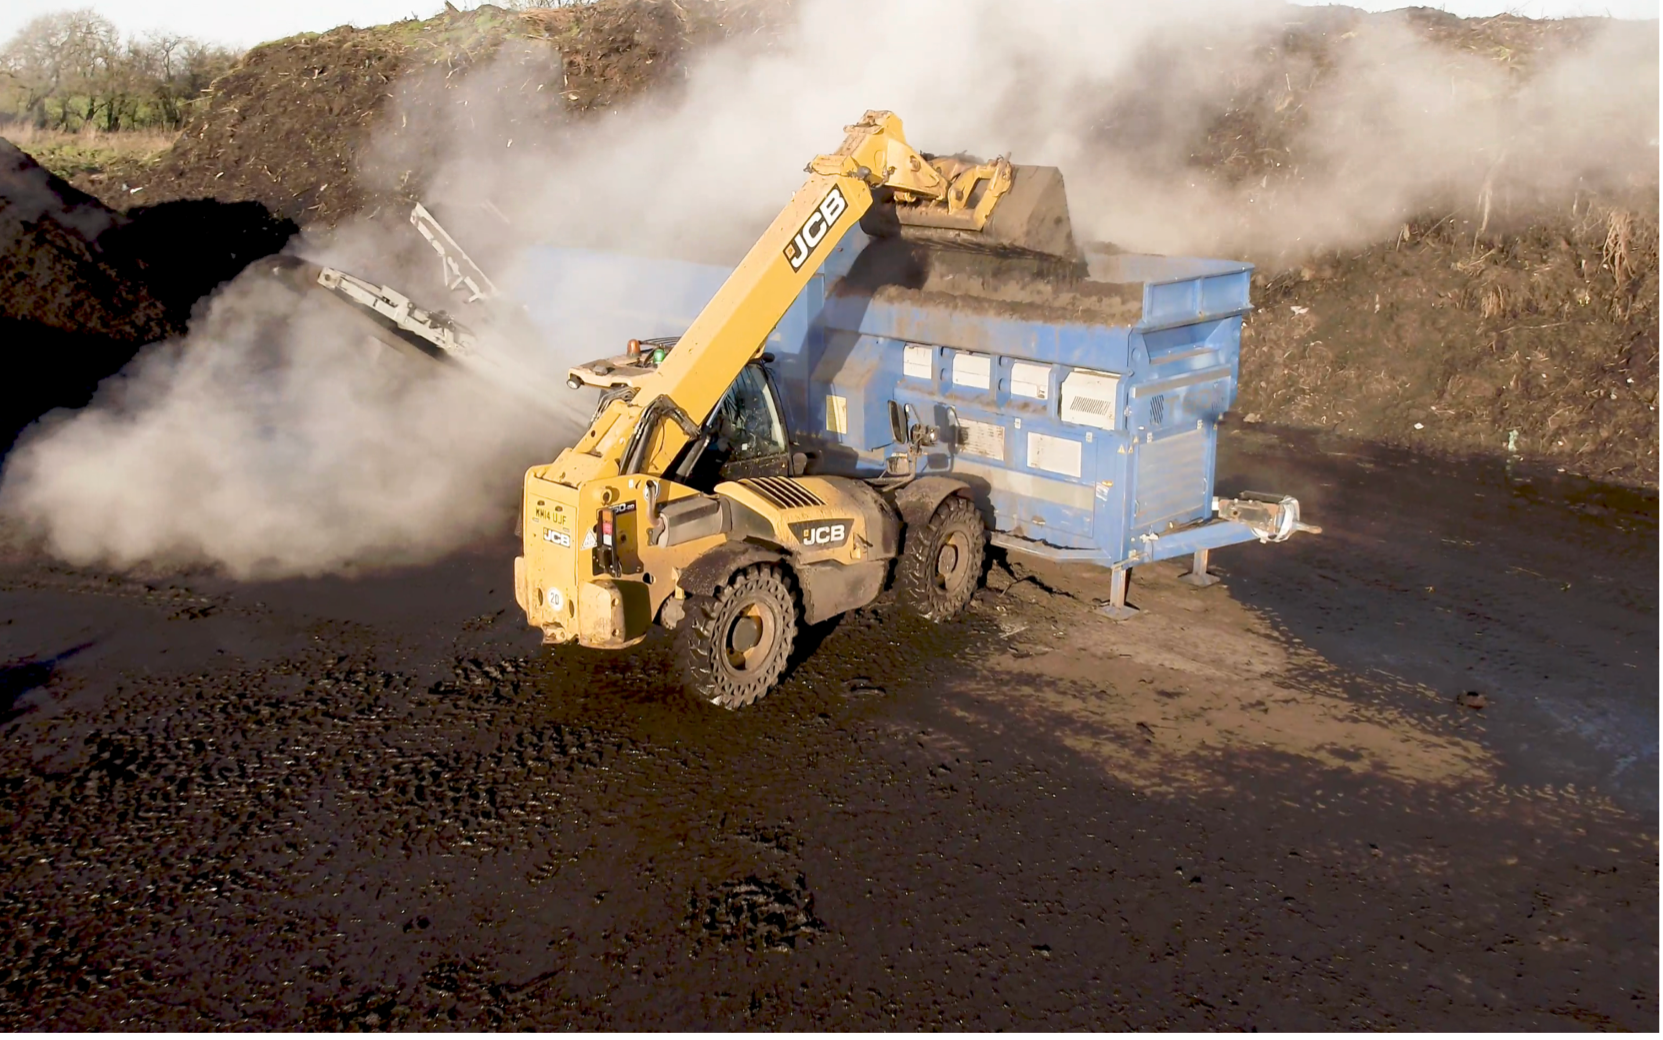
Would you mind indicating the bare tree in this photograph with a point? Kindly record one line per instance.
(72, 68)
(59, 57)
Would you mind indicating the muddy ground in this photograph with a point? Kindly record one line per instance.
(378, 803)
(1403, 774)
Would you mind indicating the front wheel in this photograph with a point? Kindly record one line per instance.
(941, 560)
(732, 647)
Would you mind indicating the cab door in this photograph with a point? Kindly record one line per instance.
(745, 436)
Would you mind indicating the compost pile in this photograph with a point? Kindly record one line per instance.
(53, 271)
(1524, 326)
(83, 287)
(85, 281)
(291, 126)
(1518, 326)
(1539, 344)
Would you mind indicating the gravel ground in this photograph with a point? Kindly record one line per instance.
(377, 803)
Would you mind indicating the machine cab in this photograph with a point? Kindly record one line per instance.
(744, 437)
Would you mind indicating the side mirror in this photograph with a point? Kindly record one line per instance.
(897, 422)
(799, 463)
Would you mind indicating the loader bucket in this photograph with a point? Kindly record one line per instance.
(1029, 219)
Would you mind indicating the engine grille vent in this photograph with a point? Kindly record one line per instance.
(783, 492)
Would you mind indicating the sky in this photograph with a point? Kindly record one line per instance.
(248, 23)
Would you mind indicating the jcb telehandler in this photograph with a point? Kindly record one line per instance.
(654, 515)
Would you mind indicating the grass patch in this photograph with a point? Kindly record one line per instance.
(88, 151)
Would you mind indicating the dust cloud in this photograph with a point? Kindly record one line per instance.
(1210, 126)
(272, 442)
(277, 439)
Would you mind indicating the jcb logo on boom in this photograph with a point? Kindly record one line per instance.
(815, 228)
(821, 534)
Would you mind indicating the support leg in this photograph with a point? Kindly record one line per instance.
(1198, 575)
(1115, 608)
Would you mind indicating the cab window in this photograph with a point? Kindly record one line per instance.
(744, 436)
(747, 422)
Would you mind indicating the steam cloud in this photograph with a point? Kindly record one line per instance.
(270, 442)
(1119, 95)
(273, 442)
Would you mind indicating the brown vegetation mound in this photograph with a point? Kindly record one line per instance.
(1542, 344)
(290, 127)
(1522, 322)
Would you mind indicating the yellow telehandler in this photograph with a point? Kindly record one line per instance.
(683, 504)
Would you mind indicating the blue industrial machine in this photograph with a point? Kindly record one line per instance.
(1087, 435)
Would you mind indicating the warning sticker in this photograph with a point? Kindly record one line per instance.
(982, 438)
(1056, 454)
(837, 414)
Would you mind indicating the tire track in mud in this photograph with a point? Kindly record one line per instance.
(294, 792)
(279, 786)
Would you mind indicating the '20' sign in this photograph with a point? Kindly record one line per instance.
(815, 228)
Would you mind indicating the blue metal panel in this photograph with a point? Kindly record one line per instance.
(800, 340)
(859, 372)
(1212, 535)
(1226, 293)
(1169, 481)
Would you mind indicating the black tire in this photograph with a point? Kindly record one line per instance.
(732, 647)
(941, 560)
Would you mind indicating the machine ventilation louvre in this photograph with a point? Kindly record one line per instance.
(1172, 479)
(782, 492)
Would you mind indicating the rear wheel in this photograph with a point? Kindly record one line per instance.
(732, 647)
(941, 560)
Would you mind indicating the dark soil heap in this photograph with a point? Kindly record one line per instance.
(82, 287)
(53, 272)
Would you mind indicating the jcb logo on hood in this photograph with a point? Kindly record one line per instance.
(815, 228)
(821, 534)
